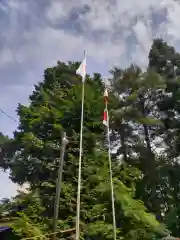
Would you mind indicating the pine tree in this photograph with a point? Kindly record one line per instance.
(139, 93)
(55, 105)
(165, 60)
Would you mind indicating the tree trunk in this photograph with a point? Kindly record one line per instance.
(151, 165)
(147, 139)
(123, 144)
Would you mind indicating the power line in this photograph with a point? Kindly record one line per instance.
(8, 116)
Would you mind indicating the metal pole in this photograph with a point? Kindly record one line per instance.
(111, 177)
(58, 184)
(79, 171)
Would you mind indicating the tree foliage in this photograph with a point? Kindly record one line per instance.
(144, 112)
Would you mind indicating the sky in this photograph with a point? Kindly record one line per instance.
(35, 34)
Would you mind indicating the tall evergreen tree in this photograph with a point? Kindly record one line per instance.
(166, 61)
(140, 94)
(55, 105)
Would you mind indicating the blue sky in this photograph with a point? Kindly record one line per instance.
(35, 34)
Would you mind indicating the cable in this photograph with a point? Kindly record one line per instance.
(8, 116)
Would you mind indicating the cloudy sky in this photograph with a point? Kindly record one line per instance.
(34, 34)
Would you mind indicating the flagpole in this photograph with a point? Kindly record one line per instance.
(111, 177)
(80, 160)
(59, 184)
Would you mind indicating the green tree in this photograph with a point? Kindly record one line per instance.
(32, 157)
(166, 61)
(140, 94)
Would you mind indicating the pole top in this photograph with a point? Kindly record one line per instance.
(64, 139)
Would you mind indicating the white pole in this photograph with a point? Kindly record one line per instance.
(111, 177)
(79, 172)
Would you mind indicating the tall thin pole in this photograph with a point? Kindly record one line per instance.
(58, 184)
(111, 177)
(79, 171)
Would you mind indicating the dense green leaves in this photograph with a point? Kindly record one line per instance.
(144, 109)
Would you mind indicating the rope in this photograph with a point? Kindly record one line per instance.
(111, 176)
(79, 171)
(49, 234)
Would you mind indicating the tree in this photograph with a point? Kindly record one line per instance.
(140, 94)
(166, 61)
(55, 105)
(24, 214)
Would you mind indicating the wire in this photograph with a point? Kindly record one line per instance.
(8, 116)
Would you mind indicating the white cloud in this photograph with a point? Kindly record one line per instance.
(143, 36)
(116, 21)
(56, 11)
(173, 27)
(35, 34)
